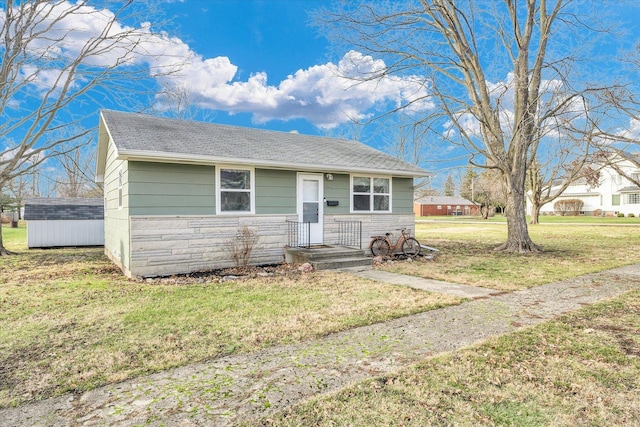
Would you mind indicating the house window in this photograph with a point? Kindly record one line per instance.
(615, 200)
(439, 207)
(371, 194)
(120, 181)
(235, 190)
(633, 198)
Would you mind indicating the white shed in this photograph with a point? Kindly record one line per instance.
(60, 222)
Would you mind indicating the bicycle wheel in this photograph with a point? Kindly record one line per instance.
(411, 247)
(379, 247)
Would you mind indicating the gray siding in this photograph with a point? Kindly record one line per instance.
(175, 189)
(337, 189)
(116, 238)
(171, 189)
(402, 195)
(275, 191)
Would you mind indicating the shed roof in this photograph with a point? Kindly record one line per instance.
(151, 138)
(56, 208)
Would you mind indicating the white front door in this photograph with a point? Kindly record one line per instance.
(310, 205)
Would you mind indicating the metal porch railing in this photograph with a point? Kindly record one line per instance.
(299, 234)
(350, 233)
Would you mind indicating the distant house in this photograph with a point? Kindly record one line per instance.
(443, 205)
(613, 194)
(61, 222)
(178, 191)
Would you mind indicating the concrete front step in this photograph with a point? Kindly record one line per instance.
(328, 257)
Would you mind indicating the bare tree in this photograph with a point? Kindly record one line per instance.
(60, 61)
(546, 187)
(406, 140)
(76, 175)
(180, 102)
(19, 190)
(425, 192)
(501, 73)
(485, 190)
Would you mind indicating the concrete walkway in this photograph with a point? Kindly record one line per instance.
(243, 387)
(429, 285)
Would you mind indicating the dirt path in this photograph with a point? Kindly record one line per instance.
(251, 385)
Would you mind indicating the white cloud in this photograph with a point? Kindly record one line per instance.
(632, 131)
(502, 96)
(326, 95)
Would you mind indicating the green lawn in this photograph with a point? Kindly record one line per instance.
(70, 321)
(580, 370)
(467, 256)
(544, 219)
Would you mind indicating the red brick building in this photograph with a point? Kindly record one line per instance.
(443, 205)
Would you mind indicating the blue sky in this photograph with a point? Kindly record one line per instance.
(266, 66)
(260, 63)
(274, 37)
(269, 36)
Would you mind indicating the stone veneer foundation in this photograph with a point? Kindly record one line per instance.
(165, 245)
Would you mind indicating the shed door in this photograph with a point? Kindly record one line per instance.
(310, 205)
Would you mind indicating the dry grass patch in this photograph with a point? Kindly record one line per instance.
(69, 321)
(466, 254)
(583, 369)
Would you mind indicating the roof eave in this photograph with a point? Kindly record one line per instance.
(103, 140)
(162, 157)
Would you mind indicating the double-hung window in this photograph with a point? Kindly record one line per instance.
(633, 198)
(235, 190)
(370, 194)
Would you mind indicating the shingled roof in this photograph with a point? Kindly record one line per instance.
(63, 209)
(151, 138)
(443, 200)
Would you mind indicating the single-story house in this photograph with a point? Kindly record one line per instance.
(444, 205)
(177, 192)
(60, 222)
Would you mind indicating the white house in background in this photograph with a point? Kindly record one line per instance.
(614, 193)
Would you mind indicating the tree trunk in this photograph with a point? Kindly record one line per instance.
(535, 213)
(3, 250)
(518, 239)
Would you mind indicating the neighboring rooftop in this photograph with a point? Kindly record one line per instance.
(144, 137)
(629, 189)
(443, 200)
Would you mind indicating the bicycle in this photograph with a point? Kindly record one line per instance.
(383, 246)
